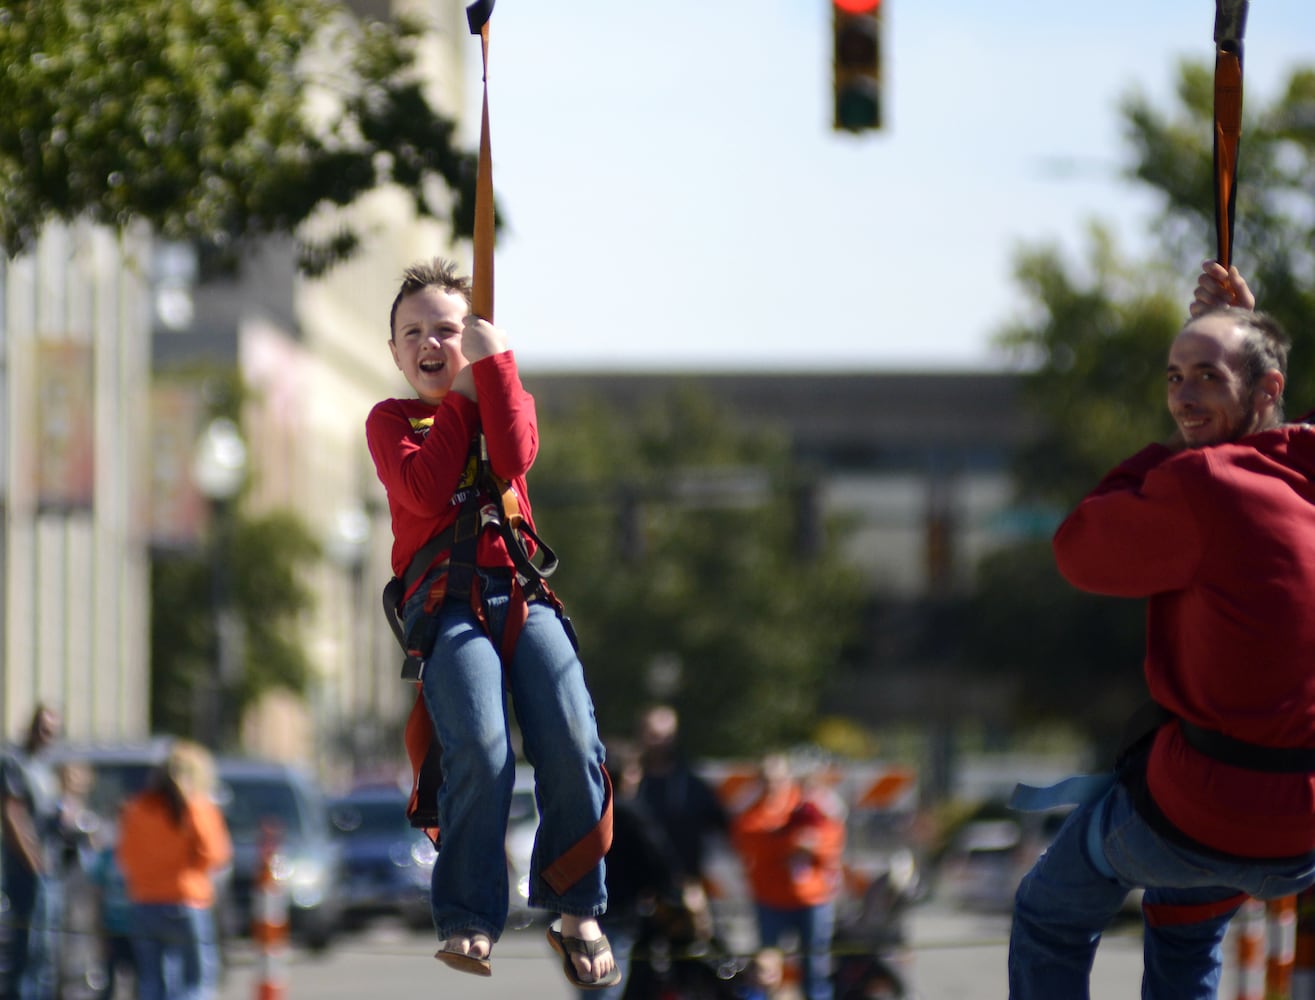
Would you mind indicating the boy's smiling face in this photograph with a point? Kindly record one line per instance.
(426, 341)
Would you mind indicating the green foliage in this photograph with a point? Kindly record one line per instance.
(266, 560)
(1274, 239)
(193, 116)
(1096, 343)
(679, 535)
(1078, 656)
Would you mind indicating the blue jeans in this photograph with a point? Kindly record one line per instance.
(31, 929)
(465, 691)
(813, 925)
(177, 955)
(1064, 903)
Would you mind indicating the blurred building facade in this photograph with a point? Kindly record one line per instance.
(101, 339)
(74, 371)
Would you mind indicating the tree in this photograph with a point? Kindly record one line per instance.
(1275, 225)
(1094, 341)
(193, 115)
(684, 562)
(268, 559)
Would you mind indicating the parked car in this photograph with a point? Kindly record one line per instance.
(260, 798)
(388, 863)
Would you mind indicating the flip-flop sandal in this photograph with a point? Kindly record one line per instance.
(592, 950)
(463, 962)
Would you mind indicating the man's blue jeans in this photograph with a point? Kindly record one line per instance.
(31, 933)
(1065, 902)
(177, 954)
(465, 690)
(813, 925)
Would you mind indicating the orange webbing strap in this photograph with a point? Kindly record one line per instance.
(1230, 27)
(1170, 915)
(481, 297)
(1228, 131)
(581, 857)
(425, 754)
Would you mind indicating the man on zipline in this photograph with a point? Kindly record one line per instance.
(1216, 801)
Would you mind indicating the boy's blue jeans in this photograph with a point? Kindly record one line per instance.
(1064, 903)
(465, 690)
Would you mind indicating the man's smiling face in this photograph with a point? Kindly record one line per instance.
(1209, 396)
(426, 342)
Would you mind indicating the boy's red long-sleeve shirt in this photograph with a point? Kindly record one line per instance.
(1221, 540)
(421, 455)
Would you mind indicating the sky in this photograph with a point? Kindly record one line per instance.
(676, 199)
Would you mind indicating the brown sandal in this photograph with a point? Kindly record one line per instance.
(592, 950)
(463, 961)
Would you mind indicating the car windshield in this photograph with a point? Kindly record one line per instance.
(252, 801)
(114, 784)
(369, 817)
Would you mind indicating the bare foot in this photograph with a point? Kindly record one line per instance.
(587, 929)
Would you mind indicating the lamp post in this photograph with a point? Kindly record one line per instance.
(346, 545)
(219, 468)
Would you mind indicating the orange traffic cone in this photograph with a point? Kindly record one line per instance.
(1251, 950)
(1281, 927)
(1303, 967)
(269, 924)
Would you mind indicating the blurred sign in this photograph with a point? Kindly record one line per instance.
(66, 473)
(178, 510)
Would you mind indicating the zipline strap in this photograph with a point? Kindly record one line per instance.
(1230, 26)
(481, 296)
(1073, 791)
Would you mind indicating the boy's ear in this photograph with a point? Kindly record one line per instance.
(392, 347)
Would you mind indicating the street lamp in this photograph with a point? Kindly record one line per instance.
(347, 544)
(219, 469)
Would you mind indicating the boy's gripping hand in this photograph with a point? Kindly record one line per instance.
(480, 339)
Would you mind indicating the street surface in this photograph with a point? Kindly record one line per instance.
(955, 956)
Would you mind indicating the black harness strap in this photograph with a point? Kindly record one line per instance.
(1147, 720)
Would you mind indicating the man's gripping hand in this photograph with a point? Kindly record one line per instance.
(1217, 287)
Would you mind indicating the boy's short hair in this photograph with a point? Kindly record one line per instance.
(437, 273)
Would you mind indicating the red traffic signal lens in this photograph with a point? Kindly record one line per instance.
(857, 6)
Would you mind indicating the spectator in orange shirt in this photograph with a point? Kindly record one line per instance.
(790, 841)
(172, 837)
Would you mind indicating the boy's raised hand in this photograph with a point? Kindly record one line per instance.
(480, 339)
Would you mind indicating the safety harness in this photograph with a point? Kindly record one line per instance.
(1138, 734)
(448, 562)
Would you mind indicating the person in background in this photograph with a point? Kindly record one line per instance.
(791, 840)
(28, 877)
(643, 873)
(114, 921)
(72, 854)
(685, 805)
(172, 838)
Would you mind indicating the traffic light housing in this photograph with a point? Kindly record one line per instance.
(856, 64)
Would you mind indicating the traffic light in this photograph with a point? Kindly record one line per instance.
(856, 26)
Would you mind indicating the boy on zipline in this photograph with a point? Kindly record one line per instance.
(453, 460)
